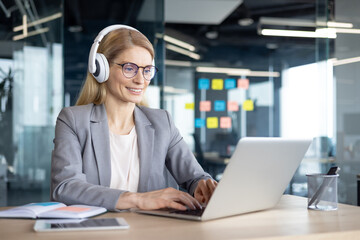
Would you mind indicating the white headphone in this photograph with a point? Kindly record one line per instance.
(98, 64)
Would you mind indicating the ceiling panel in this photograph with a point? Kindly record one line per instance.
(199, 11)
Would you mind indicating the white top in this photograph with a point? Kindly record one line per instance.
(124, 161)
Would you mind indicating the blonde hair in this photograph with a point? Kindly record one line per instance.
(113, 44)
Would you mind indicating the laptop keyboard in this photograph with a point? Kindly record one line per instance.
(197, 212)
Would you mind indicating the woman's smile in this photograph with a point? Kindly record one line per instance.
(136, 91)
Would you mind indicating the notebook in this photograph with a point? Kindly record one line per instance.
(255, 178)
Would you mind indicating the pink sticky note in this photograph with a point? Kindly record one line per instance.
(73, 209)
(243, 83)
(205, 106)
(233, 106)
(225, 122)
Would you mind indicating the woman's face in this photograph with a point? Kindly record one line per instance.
(126, 89)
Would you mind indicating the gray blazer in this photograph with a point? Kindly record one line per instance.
(81, 166)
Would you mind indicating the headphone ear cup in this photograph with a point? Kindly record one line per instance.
(102, 68)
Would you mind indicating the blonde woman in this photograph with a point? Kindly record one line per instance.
(108, 150)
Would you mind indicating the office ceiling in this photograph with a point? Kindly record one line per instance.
(212, 26)
(230, 44)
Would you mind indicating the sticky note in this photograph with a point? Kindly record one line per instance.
(219, 105)
(232, 106)
(73, 209)
(230, 83)
(189, 106)
(212, 122)
(248, 105)
(199, 122)
(204, 83)
(225, 122)
(205, 106)
(217, 84)
(243, 83)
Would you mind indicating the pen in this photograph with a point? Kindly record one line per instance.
(326, 183)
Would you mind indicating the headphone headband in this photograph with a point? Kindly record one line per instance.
(95, 45)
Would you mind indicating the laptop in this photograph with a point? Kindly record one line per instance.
(255, 178)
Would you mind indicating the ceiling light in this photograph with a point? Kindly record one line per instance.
(337, 62)
(245, 22)
(212, 35)
(179, 43)
(263, 74)
(346, 30)
(295, 33)
(177, 63)
(29, 34)
(229, 71)
(238, 72)
(272, 46)
(183, 51)
(339, 25)
(75, 28)
(301, 22)
(39, 21)
(286, 22)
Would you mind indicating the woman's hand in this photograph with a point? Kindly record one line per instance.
(204, 190)
(164, 198)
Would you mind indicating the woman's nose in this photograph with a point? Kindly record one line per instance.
(139, 78)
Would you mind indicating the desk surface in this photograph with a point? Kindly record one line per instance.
(290, 219)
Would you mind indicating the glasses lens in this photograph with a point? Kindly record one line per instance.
(149, 72)
(130, 70)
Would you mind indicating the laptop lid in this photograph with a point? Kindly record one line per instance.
(255, 178)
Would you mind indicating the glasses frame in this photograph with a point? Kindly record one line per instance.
(137, 70)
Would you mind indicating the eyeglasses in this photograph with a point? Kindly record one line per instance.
(131, 69)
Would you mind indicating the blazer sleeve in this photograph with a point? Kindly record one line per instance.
(68, 180)
(181, 162)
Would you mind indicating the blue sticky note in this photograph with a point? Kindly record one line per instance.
(199, 122)
(204, 83)
(219, 105)
(230, 83)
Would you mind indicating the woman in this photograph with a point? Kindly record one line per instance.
(110, 152)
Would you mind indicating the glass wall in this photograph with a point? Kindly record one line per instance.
(43, 68)
(346, 67)
(31, 87)
(246, 81)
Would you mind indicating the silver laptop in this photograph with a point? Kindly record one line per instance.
(255, 178)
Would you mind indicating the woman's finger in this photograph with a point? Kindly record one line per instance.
(204, 191)
(175, 205)
(211, 185)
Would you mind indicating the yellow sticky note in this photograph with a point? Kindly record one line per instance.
(212, 122)
(217, 84)
(248, 105)
(189, 106)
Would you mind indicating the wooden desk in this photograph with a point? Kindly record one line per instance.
(290, 219)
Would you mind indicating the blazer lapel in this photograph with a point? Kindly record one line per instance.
(145, 134)
(101, 143)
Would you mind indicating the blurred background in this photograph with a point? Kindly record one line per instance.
(228, 69)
